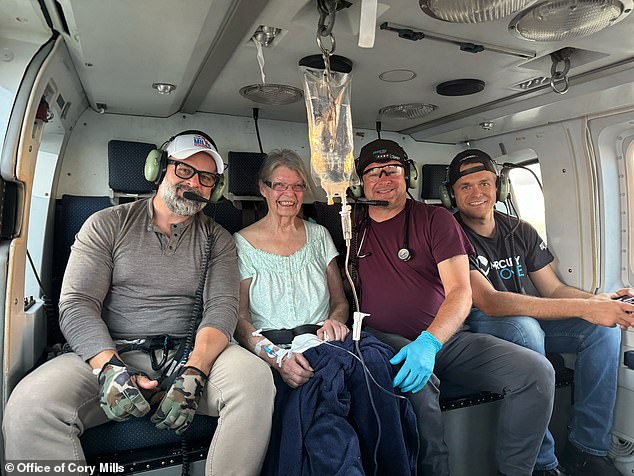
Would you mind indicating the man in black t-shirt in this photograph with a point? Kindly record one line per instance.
(509, 255)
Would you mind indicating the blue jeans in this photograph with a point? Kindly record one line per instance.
(596, 372)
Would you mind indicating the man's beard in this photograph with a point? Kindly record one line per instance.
(176, 204)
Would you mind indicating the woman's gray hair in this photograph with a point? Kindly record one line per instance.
(283, 158)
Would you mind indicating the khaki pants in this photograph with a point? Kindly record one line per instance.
(51, 408)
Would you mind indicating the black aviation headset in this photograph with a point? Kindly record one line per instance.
(409, 168)
(473, 156)
(379, 150)
(156, 164)
(503, 190)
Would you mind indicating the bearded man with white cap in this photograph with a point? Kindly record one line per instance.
(133, 276)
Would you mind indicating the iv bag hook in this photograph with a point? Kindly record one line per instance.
(558, 57)
(327, 12)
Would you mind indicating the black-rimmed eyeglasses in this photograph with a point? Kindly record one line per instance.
(185, 171)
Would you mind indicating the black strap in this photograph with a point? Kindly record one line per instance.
(164, 342)
(151, 346)
(285, 336)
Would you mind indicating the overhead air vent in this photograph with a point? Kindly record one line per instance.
(558, 20)
(407, 111)
(532, 83)
(266, 35)
(471, 11)
(272, 94)
(460, 87)
(61, 102)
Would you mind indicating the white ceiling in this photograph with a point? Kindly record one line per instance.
(22, 20)
(121, 47)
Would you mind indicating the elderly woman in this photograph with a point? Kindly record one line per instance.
(291, 285)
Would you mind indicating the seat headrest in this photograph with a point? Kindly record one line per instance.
(433, 176)
(328, 216)
(126, 161)
(226, 215)
(243, 171)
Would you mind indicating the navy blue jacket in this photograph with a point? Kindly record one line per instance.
(327, 426)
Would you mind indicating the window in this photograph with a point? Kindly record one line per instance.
(528, 196)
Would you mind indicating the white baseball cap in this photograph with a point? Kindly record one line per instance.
(189, 144)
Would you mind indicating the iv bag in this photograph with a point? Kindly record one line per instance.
(330, 129)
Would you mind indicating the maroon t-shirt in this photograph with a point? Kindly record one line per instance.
(403, 297)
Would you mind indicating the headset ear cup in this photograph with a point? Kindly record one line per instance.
(152, 169)
(216, 193)
(412, 175)
(357, 190)
(503, 185)
(446, 197)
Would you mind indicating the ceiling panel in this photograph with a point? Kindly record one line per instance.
(121, 47)
(432, 61)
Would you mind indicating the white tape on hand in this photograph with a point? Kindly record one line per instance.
(281, 355)
(258, 346)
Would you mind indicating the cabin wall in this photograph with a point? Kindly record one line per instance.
(84, 169)
(567, 176)
(611, 137)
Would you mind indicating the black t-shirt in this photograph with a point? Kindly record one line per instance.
(495, 257)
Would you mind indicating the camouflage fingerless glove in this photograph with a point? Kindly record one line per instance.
(178, 407)
(119, 396)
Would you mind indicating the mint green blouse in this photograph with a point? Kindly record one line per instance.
(288, 291)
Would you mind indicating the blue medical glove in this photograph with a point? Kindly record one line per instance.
(419, 356)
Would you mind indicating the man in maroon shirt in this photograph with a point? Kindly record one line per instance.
(413, 266)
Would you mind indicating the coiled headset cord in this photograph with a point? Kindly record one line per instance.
(197, 311)
(196, 318)
(182, 354)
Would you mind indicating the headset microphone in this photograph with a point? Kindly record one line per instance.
(195, 197)
(372, 203)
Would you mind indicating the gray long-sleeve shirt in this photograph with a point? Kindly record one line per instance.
(125, 279)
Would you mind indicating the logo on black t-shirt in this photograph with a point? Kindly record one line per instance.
(483, 264)
(506, 267)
